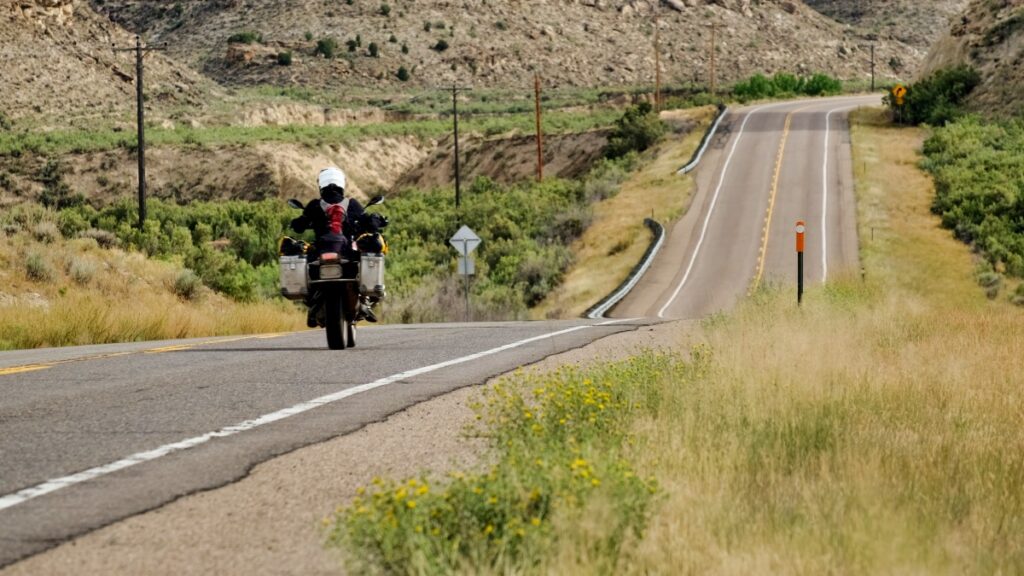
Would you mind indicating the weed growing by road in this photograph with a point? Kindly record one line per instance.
(564, 450)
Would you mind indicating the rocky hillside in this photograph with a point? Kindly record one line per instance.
(989, 36)
(915, 23)
(500, 43)
(56, 62)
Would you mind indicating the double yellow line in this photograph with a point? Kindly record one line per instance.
(766, 232)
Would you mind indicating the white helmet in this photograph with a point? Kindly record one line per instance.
(332, 175)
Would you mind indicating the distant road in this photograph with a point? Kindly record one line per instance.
(91, 435)
(768, 167)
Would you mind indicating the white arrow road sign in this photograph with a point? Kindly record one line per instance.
(465, 241)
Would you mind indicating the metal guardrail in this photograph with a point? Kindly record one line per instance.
(598, 310)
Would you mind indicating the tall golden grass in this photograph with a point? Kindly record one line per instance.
(877, 429)
(83, 294)
(617, 239)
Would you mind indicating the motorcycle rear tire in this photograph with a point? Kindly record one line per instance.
(336, 323)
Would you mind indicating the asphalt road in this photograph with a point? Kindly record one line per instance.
(768, 167)
(95, 434)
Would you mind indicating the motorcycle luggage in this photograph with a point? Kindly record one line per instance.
(371, 275)
(293, 277)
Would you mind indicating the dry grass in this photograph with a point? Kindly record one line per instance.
(875, 430)
(91, 295)
(617, 238)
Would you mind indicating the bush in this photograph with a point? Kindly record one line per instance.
(308, 36)
(46, 232)
(759, 86)
(284, 58)
(638, 129)
(393, 39)
(186, 285)
(374, 50)
(37, 268)
(56, 192)
(103, 238)
(351, 45)
(246, 37)
(385, 10)
(326, 47)
(5, 122)
(938, 99)
(403, 74)
(441, 46)
(405, 48)
(82, 271)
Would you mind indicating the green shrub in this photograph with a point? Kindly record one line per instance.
(638, 129)
(385, 10)
(284, 58)
(5, 122)
(441, 46)
(405, 48)
(393, 39)
(46, 232)
(246, 37)
(186, 285)
(103, 238)
(351, 45)
(374, 50)
(56, 192)
(326, 47)
(938, 99)
(759, 86)
(82, 271)
(37, 268)
(403, 74)
(308, 36)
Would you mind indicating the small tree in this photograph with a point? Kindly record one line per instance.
(284, 58)
(385, 10)
(374, 50)
(638, 129)
(327, 47)
(403, 74)
(393, 39)
(351, 45)
(405, 48)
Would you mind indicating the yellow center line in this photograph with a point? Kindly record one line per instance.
(33, 367)
(20, 369)
(771, 203)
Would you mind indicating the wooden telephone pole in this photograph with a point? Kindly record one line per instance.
(455, 127)
(714, 33)
(540, 131)
(140, 51)
(657, 65)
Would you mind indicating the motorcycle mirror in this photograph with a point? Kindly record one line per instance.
(295, 204)
(376, 200)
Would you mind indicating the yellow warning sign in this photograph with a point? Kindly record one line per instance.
(899, 92)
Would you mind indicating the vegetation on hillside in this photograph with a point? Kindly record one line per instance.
(937, 99)
(978, 168)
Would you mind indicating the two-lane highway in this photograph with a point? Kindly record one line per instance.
(767, 167)
(92, 435)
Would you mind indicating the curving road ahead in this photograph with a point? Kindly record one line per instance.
(767, 167)
(91, 435)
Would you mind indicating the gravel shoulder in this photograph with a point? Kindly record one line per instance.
(270, 522)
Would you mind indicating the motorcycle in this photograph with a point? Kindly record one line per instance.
(341, 287)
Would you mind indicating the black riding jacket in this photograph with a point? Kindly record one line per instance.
(313, 216)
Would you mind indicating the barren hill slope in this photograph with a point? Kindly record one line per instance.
(57, 64)
(916, 23)
(989, 36)
(488, 43)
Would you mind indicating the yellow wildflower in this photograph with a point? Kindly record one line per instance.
(535, 521)
(488, 529)
(411, 504)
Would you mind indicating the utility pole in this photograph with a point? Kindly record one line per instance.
(455, 116)
(657, 64)
(872, 67)
(540, 132)
(714, 33)
(140, 51)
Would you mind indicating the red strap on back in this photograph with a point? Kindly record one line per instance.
(335, 216)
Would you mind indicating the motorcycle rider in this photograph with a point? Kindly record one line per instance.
(333, 218)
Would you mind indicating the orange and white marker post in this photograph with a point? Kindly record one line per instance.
(800, 229)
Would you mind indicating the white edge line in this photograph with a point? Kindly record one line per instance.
(603, 309)
(711, 208)
(56, 484)
(707, 142)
